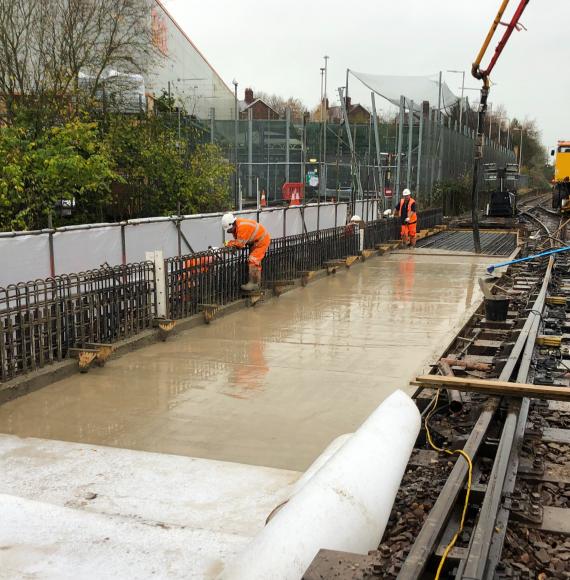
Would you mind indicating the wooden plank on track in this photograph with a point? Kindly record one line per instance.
(493, 387)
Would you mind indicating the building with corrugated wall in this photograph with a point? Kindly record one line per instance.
(183, 70)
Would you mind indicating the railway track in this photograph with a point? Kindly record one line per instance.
(502, 509)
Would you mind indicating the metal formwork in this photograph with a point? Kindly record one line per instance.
(41, 320)
(213, 278)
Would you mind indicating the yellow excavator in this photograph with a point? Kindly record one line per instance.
(561, 188)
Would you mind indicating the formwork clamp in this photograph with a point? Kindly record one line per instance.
(165, 327)
(209, 311)
(91, 353)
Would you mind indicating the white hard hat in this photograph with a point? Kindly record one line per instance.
(355, 218)
(388, 212)
(228, 220)
(406, 192)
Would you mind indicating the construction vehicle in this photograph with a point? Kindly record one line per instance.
(561, 188)
(503, 189)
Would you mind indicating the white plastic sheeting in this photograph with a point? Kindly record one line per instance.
(23, 258)
(272, 221)
(142, 237)
(415, 88)
(201, 233)
(80, 250)
(311, 214)
(327, 214)
(76, 249)
(293, 222)
(345, 505)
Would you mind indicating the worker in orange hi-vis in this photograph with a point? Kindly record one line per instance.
(406, 210)
(248, 233)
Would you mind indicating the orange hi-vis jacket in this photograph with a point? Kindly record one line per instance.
(410, 213)
(253, 234)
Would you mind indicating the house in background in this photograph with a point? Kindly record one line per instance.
(183, 71)
(357, 113)
(259, 108)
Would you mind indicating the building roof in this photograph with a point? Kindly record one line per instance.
(243, 106)
(172, 19)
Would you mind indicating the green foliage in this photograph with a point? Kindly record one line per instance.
(453, 195)
(118, 168)
(67, 162)
(165, 175)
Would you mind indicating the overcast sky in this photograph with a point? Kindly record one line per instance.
(278, 47)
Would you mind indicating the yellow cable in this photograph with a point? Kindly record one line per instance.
(469, 480)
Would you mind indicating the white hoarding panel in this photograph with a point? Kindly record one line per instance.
(81, 250)
(272, 220)
(201, 233)
(311, 215)
(24, 258)
(326, 219)
(341, 215)
(293, 221)
(147, 237)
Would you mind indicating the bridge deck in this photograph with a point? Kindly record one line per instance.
(272, 385)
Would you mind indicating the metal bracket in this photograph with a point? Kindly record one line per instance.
(165, 327)
(209, 311)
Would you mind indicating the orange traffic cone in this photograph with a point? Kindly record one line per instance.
(263, 199)
(295, 198)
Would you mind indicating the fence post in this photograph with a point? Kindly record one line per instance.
(400, 144)
(50, 244)
(123, 245)
(420, 138)
(160, 281)
(249, 153)
(410, 143)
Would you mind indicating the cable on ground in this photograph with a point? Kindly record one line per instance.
(469, 481)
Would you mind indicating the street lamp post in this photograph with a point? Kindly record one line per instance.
(462, 72)
(236, 180)
(520, 146)
(323, 176)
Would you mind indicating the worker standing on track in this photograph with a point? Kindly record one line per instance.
(248, 233)
(406, 210)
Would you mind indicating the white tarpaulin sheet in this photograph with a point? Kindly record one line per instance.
(311, 213)
(273, 222)
(293, 222)
(414, 88)
(341, 214)
(81, 250)
(326, 220)
(147, 237)
(24, 258)
(201, 233)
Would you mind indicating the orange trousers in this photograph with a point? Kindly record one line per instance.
(257, 252)
(408, 231)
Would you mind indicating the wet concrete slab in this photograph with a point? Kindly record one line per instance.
(272, 385)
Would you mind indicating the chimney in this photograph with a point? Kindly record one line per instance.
(248, 96)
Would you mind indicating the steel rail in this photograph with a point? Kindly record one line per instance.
(434, 525)
(489, 534)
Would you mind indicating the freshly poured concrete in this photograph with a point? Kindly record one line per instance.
(272, 385)
(71, 510)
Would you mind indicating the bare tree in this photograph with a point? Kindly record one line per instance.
(279, 104)
(48, 46)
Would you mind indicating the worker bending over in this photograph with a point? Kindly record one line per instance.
(248, 233)
(406, 210)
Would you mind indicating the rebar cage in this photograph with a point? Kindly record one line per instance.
(42, 319)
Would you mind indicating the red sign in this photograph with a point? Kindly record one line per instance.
(388, 193)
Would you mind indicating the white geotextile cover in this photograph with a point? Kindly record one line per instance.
(414, 88)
